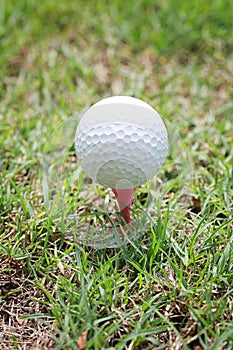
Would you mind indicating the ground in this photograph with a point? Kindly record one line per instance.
(172, 287)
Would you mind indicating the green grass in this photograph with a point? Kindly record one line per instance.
(172, 288)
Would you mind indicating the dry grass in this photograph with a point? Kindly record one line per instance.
(19, 297)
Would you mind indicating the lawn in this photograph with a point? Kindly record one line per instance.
(172, 288)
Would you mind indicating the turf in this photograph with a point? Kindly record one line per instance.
(171, 288)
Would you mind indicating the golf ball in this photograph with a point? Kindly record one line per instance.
(121, 142)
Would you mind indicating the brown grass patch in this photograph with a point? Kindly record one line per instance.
(18, 299)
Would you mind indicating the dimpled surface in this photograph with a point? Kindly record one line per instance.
(121, 142)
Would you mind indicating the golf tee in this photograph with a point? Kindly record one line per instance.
(124, 199)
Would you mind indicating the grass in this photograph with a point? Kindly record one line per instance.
(172, 288)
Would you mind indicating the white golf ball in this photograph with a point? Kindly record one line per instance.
(121, 142)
